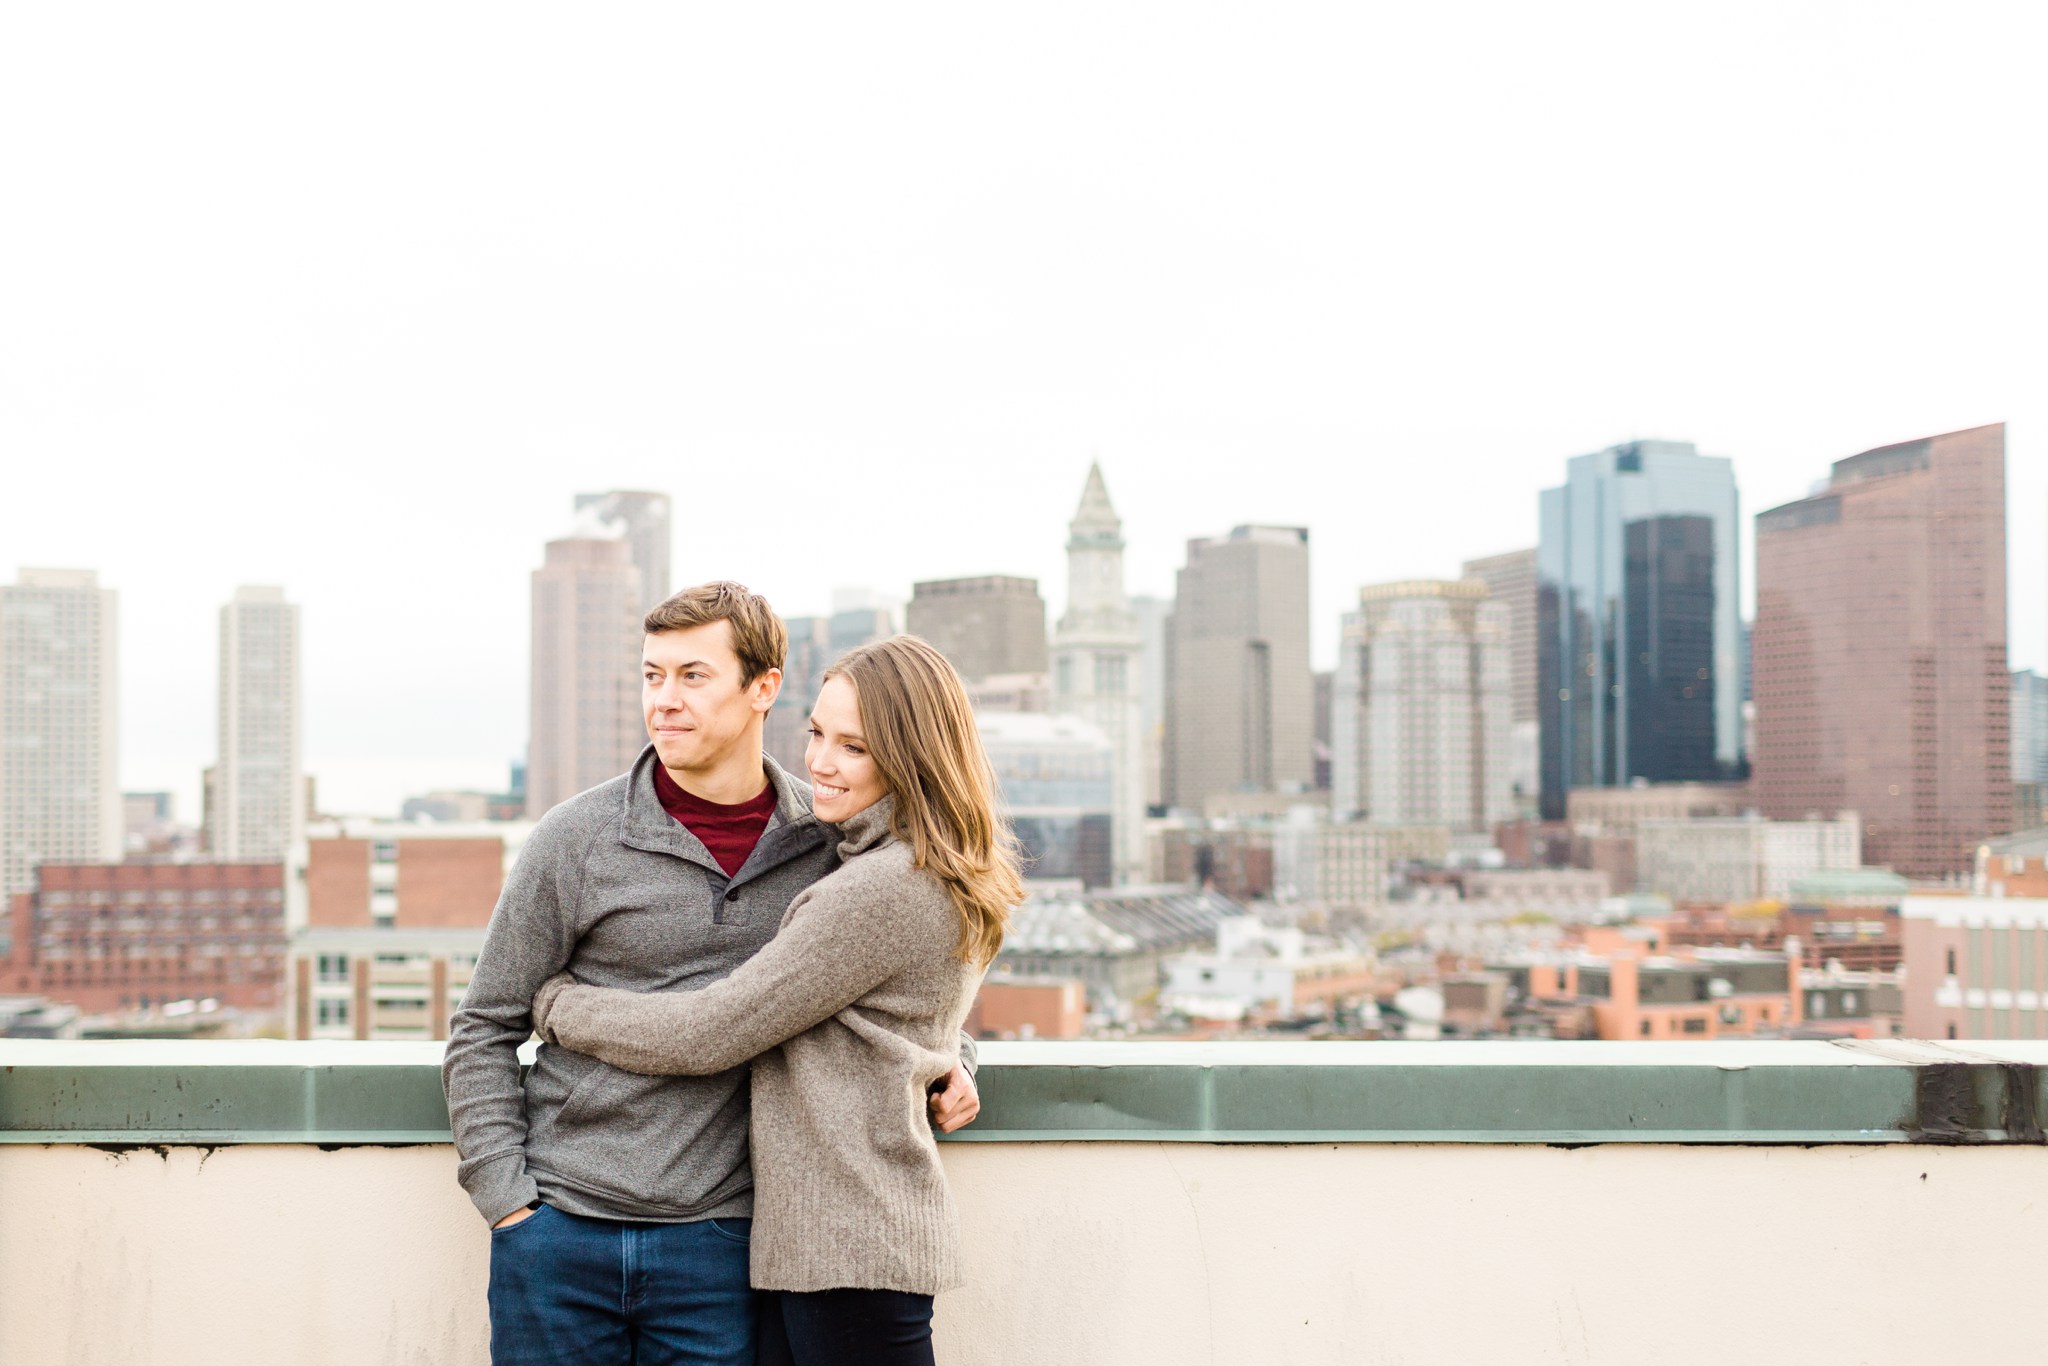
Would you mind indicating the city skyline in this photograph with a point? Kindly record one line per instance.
(484, 768)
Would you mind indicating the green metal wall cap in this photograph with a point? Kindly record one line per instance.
(1892, 1091)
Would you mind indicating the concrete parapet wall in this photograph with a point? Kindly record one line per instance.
(1122, 1254)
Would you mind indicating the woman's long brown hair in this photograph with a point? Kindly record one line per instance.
(920, 729)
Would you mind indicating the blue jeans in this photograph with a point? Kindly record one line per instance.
(567, 1290)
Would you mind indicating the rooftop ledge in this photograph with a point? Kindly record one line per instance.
(1852, 1091)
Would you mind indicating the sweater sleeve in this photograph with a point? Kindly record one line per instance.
(530, 936)
(837, 947)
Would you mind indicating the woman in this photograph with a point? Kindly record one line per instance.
(864, 988)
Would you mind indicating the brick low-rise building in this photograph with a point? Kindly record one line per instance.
(1700, 994)
(390, 874)
(395, 917)
(122, 936)
(1011, 1007)
(2014, 866)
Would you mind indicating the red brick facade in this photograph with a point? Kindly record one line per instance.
(115, 936)
(448, 883)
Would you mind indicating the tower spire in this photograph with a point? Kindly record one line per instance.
(1096, 525)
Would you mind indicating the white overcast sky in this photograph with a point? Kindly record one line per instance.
(354, 299)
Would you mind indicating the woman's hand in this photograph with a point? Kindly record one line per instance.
(544, 1003)
(956, 1103)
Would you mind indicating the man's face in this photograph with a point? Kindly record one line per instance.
(698, 712)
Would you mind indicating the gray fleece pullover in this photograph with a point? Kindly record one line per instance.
(864, 991)
(611, 888)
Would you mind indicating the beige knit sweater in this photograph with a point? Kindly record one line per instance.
(865, 994)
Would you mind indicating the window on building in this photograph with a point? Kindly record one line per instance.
(1645, 1027)
(1695, 1026)
(333, 1014)
(333, 967)
(1951, 968)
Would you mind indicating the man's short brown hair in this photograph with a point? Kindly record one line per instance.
(758, 636)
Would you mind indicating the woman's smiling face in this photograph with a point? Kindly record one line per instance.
(844, 777)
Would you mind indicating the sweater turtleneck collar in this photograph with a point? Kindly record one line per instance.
(865, 829)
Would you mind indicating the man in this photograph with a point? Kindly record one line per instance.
(619, 1204)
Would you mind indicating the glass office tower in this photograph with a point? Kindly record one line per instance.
(1638, 619)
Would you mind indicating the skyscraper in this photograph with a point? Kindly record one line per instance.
(257, 812)
(60, 799)
(1419, 718)
(1153, 614)
(1240, 699)
(1879, 664)
(587, 614)
(645, 517)
(989, 626)
(2029, 727)
(1638, 623)
(1510, 580)
(1095, 664)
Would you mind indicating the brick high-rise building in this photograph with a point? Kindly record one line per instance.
(988, 626)
(60, 799)
(586, 721)
(1879, 662)
(257, 811)
(1240, 696)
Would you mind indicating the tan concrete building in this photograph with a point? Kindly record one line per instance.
(257, 793)
(1741, 858)
(1331, 865)
(586, 719)
(378, 984)
(1510, 580)
(1240, 696)
(1419, 720)
(1618, 810)
(1096, 664)
(987, 626)
(60, 795)
(1879, 652)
